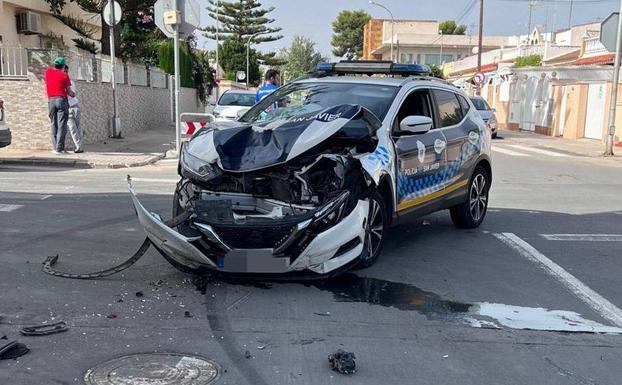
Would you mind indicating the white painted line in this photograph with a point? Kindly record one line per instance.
(46, 197)
(169, 160)
(508, 152)
(539, 151)
(8, 208)
(584, 237)
(154, 180)
(601, 305)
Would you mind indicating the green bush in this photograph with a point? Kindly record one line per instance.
(528, 61)
(167, 63)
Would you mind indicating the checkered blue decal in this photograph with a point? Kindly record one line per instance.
(413, 187)
(381, 155)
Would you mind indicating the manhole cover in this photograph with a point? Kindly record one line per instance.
(154, 369)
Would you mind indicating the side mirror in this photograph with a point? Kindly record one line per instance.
(240, 113)
(416, 124)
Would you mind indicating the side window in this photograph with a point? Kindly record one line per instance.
(416, 103)
(449, 109)
(465, 105)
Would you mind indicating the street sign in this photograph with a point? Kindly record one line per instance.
(609, 31)
(117, 13)
(478, 78)
(190, 16)
(241, 76)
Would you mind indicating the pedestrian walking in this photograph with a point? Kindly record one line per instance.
(58, 88)
(271, 84)
(73, 122)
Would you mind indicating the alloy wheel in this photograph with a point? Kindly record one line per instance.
(478, 197)
(375, 226)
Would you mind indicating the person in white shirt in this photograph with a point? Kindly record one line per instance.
(74, 118)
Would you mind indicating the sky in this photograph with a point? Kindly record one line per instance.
(313, 18)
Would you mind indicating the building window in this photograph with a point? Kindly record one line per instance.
(437, 59)
(406, 58)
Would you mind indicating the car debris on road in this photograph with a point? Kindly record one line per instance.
(342, 362)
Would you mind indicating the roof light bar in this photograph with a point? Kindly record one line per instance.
(373, 67)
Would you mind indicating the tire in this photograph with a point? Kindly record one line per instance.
(464, 216)
(494, 135)
(377, 228)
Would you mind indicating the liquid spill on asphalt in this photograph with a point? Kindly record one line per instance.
(402, 296)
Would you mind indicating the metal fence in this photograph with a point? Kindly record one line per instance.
(106, 71)
(137, 75)
(16, 62)
(158, 79)
(13, 62)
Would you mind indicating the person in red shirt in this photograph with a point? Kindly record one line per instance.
(58, 87)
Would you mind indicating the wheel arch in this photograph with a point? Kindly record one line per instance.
(386, 191)
(485, 163)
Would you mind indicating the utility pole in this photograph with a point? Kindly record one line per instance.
(531, 5)
(613, 99)
(570, 14)
(479, 43)
(440, 56)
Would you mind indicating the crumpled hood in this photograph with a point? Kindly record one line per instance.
(241, 147)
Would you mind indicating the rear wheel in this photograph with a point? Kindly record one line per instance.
(375, 231)
(470, 214)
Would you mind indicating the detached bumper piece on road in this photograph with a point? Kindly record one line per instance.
(319, 240)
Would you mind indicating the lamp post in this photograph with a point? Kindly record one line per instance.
(392, 22)
(248, 49)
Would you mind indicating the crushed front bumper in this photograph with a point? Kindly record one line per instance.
(326, 252)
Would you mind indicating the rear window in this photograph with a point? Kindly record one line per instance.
(449, 109)
(236, 99)
(480, 104)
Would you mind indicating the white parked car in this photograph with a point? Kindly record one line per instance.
(487, 114)
(233, 103)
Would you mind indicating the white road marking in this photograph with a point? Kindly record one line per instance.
(539, 151)
(154, 180)
(597, 302)
(46, 197)
(8, 208)
(584, 237)
(508, 152)
(172, 160)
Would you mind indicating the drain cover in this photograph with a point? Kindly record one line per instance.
(154, 369)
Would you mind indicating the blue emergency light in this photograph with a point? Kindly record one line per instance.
(368, 67)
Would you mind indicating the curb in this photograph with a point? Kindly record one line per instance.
(77, 163)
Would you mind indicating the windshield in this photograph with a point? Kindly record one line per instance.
(305, 99)
(480, 104)
(236, 99)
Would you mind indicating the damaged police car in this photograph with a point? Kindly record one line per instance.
(310, 178)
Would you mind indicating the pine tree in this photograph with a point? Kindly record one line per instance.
(240, 20)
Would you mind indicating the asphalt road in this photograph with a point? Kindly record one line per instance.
(441, 306)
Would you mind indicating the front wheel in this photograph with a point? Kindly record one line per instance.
(470, 214)
(375, 230)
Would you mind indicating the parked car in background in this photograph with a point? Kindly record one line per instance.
(487, 113)
(233, 103)
(5, 131)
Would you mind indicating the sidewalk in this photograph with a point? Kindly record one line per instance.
(138, 149)
(581, 147)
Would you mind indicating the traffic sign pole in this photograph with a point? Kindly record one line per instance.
(613, 100)
(113, 61)
(176, 59)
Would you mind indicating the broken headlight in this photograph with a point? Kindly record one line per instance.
(329, 215)
(199, 167)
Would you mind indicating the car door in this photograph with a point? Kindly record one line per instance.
(420, 157)
(462, 134)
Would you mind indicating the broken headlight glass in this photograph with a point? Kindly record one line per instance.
(199, 167)
(331, 213)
